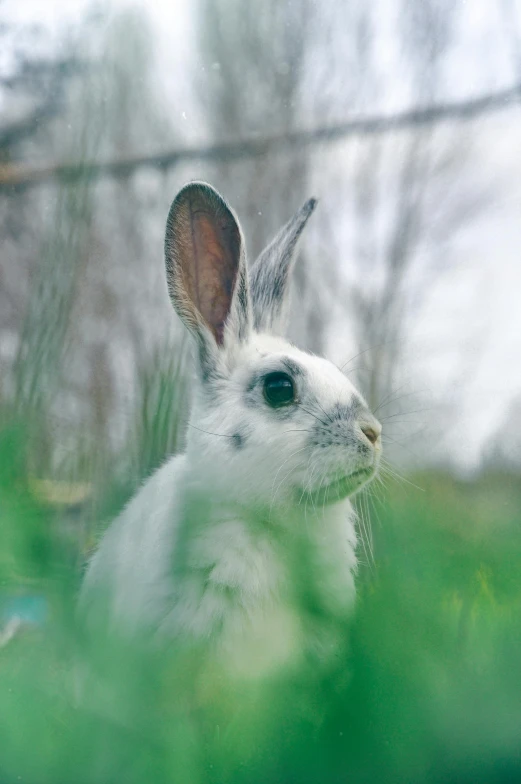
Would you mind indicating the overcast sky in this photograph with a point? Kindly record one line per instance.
(489, 268)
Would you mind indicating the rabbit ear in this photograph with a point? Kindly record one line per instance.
(206, 269)
(270, 274)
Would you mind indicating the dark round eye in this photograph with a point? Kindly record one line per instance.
(279, 390)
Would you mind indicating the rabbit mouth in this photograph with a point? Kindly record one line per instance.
(341, 488)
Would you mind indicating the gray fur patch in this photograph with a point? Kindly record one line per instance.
(293, 368)
(239, 438)
(335, 426)
(237, 441)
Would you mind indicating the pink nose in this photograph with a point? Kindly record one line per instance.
(371, 432)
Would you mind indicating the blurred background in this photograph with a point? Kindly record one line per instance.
(403, 118)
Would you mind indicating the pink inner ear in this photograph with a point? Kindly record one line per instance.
(215, 248)
(209, 249)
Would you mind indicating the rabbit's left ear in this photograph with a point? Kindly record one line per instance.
(206, 270)
(271, 272)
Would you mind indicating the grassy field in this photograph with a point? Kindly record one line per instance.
(427, 687)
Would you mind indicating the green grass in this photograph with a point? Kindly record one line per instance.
(427, 686)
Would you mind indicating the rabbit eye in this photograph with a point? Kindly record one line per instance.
(279, 390)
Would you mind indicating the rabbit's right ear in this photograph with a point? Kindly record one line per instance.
(271, 272)
(206, 270)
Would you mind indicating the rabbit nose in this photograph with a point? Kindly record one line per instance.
(371, 431)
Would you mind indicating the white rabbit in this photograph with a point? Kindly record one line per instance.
(246, 542)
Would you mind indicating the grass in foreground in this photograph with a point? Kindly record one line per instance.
(427, 687)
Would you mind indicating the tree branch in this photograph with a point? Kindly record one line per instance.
(22, 176)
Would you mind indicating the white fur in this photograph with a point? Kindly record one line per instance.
(220, 545)
(237, 526)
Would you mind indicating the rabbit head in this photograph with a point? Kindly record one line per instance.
(271, 425)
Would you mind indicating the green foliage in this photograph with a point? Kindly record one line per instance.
(427, 685)
(158, 418)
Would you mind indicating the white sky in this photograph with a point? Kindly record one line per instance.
(489, 252)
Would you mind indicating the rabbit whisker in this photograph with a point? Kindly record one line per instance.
(312, 414)
(357, 369)
(404, 413)
(369, 529)
(402, 445)
(370, 348)
(209, 432)
(303, 494)
(386, 468)
(304, 489)
(360, 519)
(406, 422)
(401, 441)
(328, 418)
(326, 499)
(363, 535)
(386, 401)
(307, 487)
(274, 493)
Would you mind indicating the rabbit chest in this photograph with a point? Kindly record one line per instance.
(262, 594)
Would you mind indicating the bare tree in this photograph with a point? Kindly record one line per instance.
(33, 89)
(411, 194)
(255, 61)
(97, 304)
(32, 84)
(91, 300)
(120, 312)
(286, 65)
